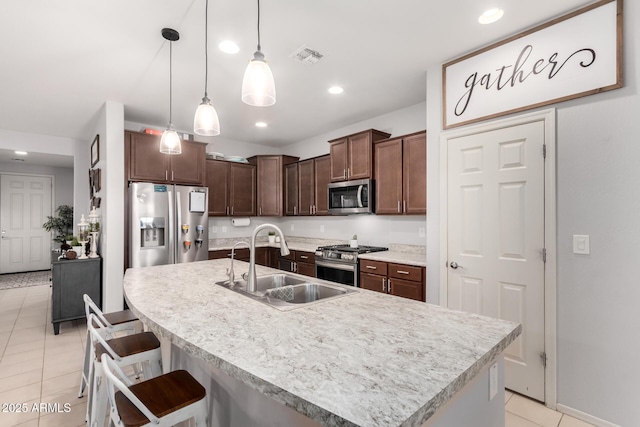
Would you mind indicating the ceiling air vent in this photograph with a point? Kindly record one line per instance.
(306, 55)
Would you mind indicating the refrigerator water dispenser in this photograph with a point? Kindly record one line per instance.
(152, 232)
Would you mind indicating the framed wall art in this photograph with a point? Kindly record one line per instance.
(95, 151)
(575, 55)
(97, 179)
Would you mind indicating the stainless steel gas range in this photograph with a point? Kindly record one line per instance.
(339, 263)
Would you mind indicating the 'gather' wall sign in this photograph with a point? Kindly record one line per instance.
(575, 55)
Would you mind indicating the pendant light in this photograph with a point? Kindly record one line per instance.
(170, 141)
(206, 120)
(258, 87)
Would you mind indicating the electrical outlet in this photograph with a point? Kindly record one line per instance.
(291, 227)
(322, 228)
(421, 232)
(214, 229)
(493, 381)
(224, 228)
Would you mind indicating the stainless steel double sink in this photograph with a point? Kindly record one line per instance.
(287, 292)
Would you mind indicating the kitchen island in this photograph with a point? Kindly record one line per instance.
(363, 359)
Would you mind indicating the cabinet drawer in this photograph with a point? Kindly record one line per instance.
(241, 253)
(374, 267)
(406, 272)
(308, 257)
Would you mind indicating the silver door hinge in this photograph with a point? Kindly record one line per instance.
(544, 151)
(543, 357)
(544, 254)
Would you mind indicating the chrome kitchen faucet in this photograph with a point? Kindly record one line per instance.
(230, 273)
(284, 250)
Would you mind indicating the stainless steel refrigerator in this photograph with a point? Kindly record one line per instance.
(169, 224)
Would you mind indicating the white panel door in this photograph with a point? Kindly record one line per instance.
(25, 203)
(496, 239)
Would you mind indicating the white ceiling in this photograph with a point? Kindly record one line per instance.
(62, 59)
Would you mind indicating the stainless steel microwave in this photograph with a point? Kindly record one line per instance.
(351, 197)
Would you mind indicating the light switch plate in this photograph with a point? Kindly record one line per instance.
(581, 244)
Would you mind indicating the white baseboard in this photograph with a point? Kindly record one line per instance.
(583, 416)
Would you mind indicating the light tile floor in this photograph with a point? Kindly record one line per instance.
(39, 368)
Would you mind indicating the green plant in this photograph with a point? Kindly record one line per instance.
(355, 237)
(272, 233)
(62, 224)
(74, 241)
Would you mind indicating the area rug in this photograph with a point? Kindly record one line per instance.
(22, 280)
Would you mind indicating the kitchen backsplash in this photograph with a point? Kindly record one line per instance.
(371, 229)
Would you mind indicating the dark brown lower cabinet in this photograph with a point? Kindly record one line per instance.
(71, 279)
(395, 279)
(299, 262)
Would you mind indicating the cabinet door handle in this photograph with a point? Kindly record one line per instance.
(344, 174)
(260, 210)
(372, 267)
(399, 211)
(348, 172)
(295, 210)
(389, 285)
(304, 257)
(231, 210)
(404, 206)
(171, 175)
(166, 175)
(402, 272)
(227, 210)
(384, 285)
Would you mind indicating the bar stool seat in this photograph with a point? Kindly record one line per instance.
(161, 395)
(164, 400)
(129, 345)
(120, 317)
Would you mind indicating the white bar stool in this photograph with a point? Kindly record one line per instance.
(142, 348)
(114, 322)
(161, 401)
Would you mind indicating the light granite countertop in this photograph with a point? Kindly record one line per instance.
(407, 258)
(364, 359)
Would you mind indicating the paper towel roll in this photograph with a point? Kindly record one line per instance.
(240, 222)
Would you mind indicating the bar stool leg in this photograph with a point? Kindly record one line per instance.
(85, 368)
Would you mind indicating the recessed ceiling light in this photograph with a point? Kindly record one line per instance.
(21, 153)
(336, 90)
(228, 46)
(490, 16)
(261, 124)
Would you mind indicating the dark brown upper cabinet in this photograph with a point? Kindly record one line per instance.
(232, 188)
(352, 156)
(401, 175)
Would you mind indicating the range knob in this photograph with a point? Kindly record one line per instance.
(319, 253)
(348, 257)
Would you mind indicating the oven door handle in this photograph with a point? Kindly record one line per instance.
(345, 267)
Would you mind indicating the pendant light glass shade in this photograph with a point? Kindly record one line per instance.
(206, 121)
(170, 142)
(258, 87)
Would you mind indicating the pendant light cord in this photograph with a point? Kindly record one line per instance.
(206, 46)
(170, 81)
(258, 24)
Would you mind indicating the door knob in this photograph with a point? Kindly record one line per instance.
(454, 265)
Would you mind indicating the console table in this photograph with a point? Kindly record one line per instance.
(71, 279)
